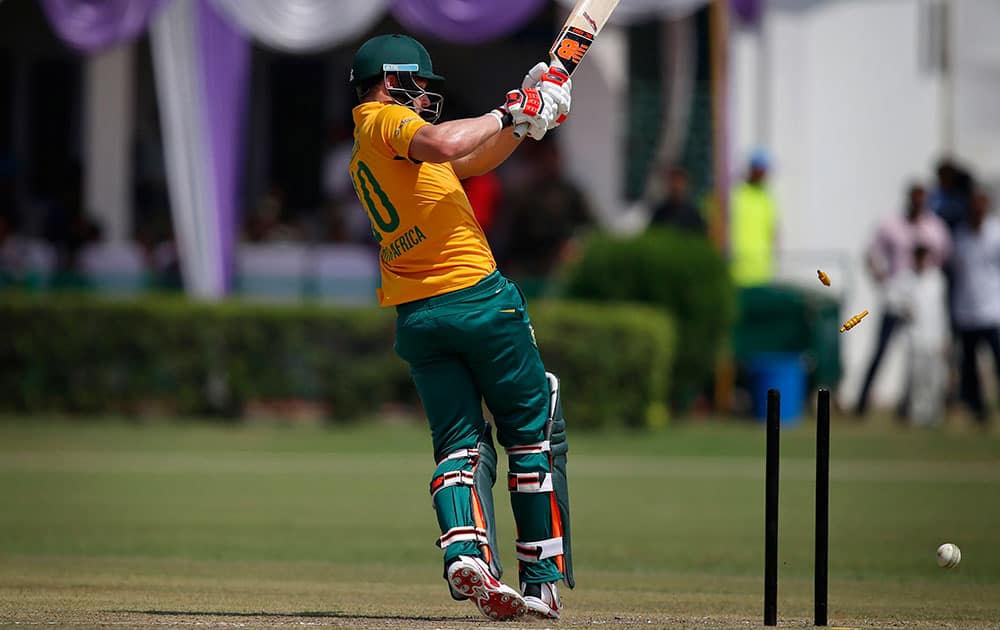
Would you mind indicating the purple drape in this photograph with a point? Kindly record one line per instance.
(465, 21)
(93, 25)
(747, 10)
(225, 64)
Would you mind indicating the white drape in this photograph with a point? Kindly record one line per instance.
(189, 166)
(631, 11)
(108, 123)
(303, 25)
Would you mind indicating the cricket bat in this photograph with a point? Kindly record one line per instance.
(585, 21)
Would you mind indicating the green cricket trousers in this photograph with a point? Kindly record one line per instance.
(465, 347)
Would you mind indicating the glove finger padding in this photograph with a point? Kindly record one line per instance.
(532, 108)
(557, 86)
(559, 96)
(536, 129)
(525, 104)
(535, 75)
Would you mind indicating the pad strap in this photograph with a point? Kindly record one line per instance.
(528, 449)
(452, 478)
(529, 482)
(459, 534)
(462, 453)
(539, 550)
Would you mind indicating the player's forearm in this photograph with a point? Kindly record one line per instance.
(487, 156)
(453, 140)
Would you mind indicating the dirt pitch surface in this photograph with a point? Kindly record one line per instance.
(253, 620)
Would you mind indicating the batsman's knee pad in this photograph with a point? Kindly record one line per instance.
(462, 495)
(553, 482)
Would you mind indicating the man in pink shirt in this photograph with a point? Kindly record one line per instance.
(890, 253)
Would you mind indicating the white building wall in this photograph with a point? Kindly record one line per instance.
(975, 26)
(852, 118)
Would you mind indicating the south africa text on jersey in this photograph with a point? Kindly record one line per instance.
(404, 243)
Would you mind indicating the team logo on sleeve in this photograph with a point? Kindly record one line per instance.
(402, 124)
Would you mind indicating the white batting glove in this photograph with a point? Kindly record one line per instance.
(534, 76)
(552, 81)
(536, 129)
(558, 86)
(533, 108)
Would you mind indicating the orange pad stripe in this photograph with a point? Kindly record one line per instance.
(480, 520)
(557, 531)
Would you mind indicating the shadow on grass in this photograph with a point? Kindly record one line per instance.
(307, 613)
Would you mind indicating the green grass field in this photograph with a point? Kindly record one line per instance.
(188, 524)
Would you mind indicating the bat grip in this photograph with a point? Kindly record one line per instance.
(520, 129)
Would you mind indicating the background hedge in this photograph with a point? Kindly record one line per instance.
(683, 275)
(88, 356)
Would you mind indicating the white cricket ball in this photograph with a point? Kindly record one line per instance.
(948, 555)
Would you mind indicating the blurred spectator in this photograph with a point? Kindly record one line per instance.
(346, 219)
(753, 226)
(13, 250)
(266, 223)
(543, 216)
(951, 198)
(677, 210)
(919, 296)
(160, 256)
(976, 296)
(67, 227)
(24, 261)
(166, 265)
(484, 193)
(890, 254)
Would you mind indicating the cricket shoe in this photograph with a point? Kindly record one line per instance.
(542, 600)
(470, 577)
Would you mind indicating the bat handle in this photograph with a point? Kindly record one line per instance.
(520, 129)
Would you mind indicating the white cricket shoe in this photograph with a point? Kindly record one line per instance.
(542, 600)
(470, 577)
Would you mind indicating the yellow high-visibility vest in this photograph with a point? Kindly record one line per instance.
(752, 228)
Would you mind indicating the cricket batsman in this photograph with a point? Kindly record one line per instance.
(462, 327)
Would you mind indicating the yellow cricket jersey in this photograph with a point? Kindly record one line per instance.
(430, 241)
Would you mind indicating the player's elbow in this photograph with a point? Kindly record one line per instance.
(450, 148)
